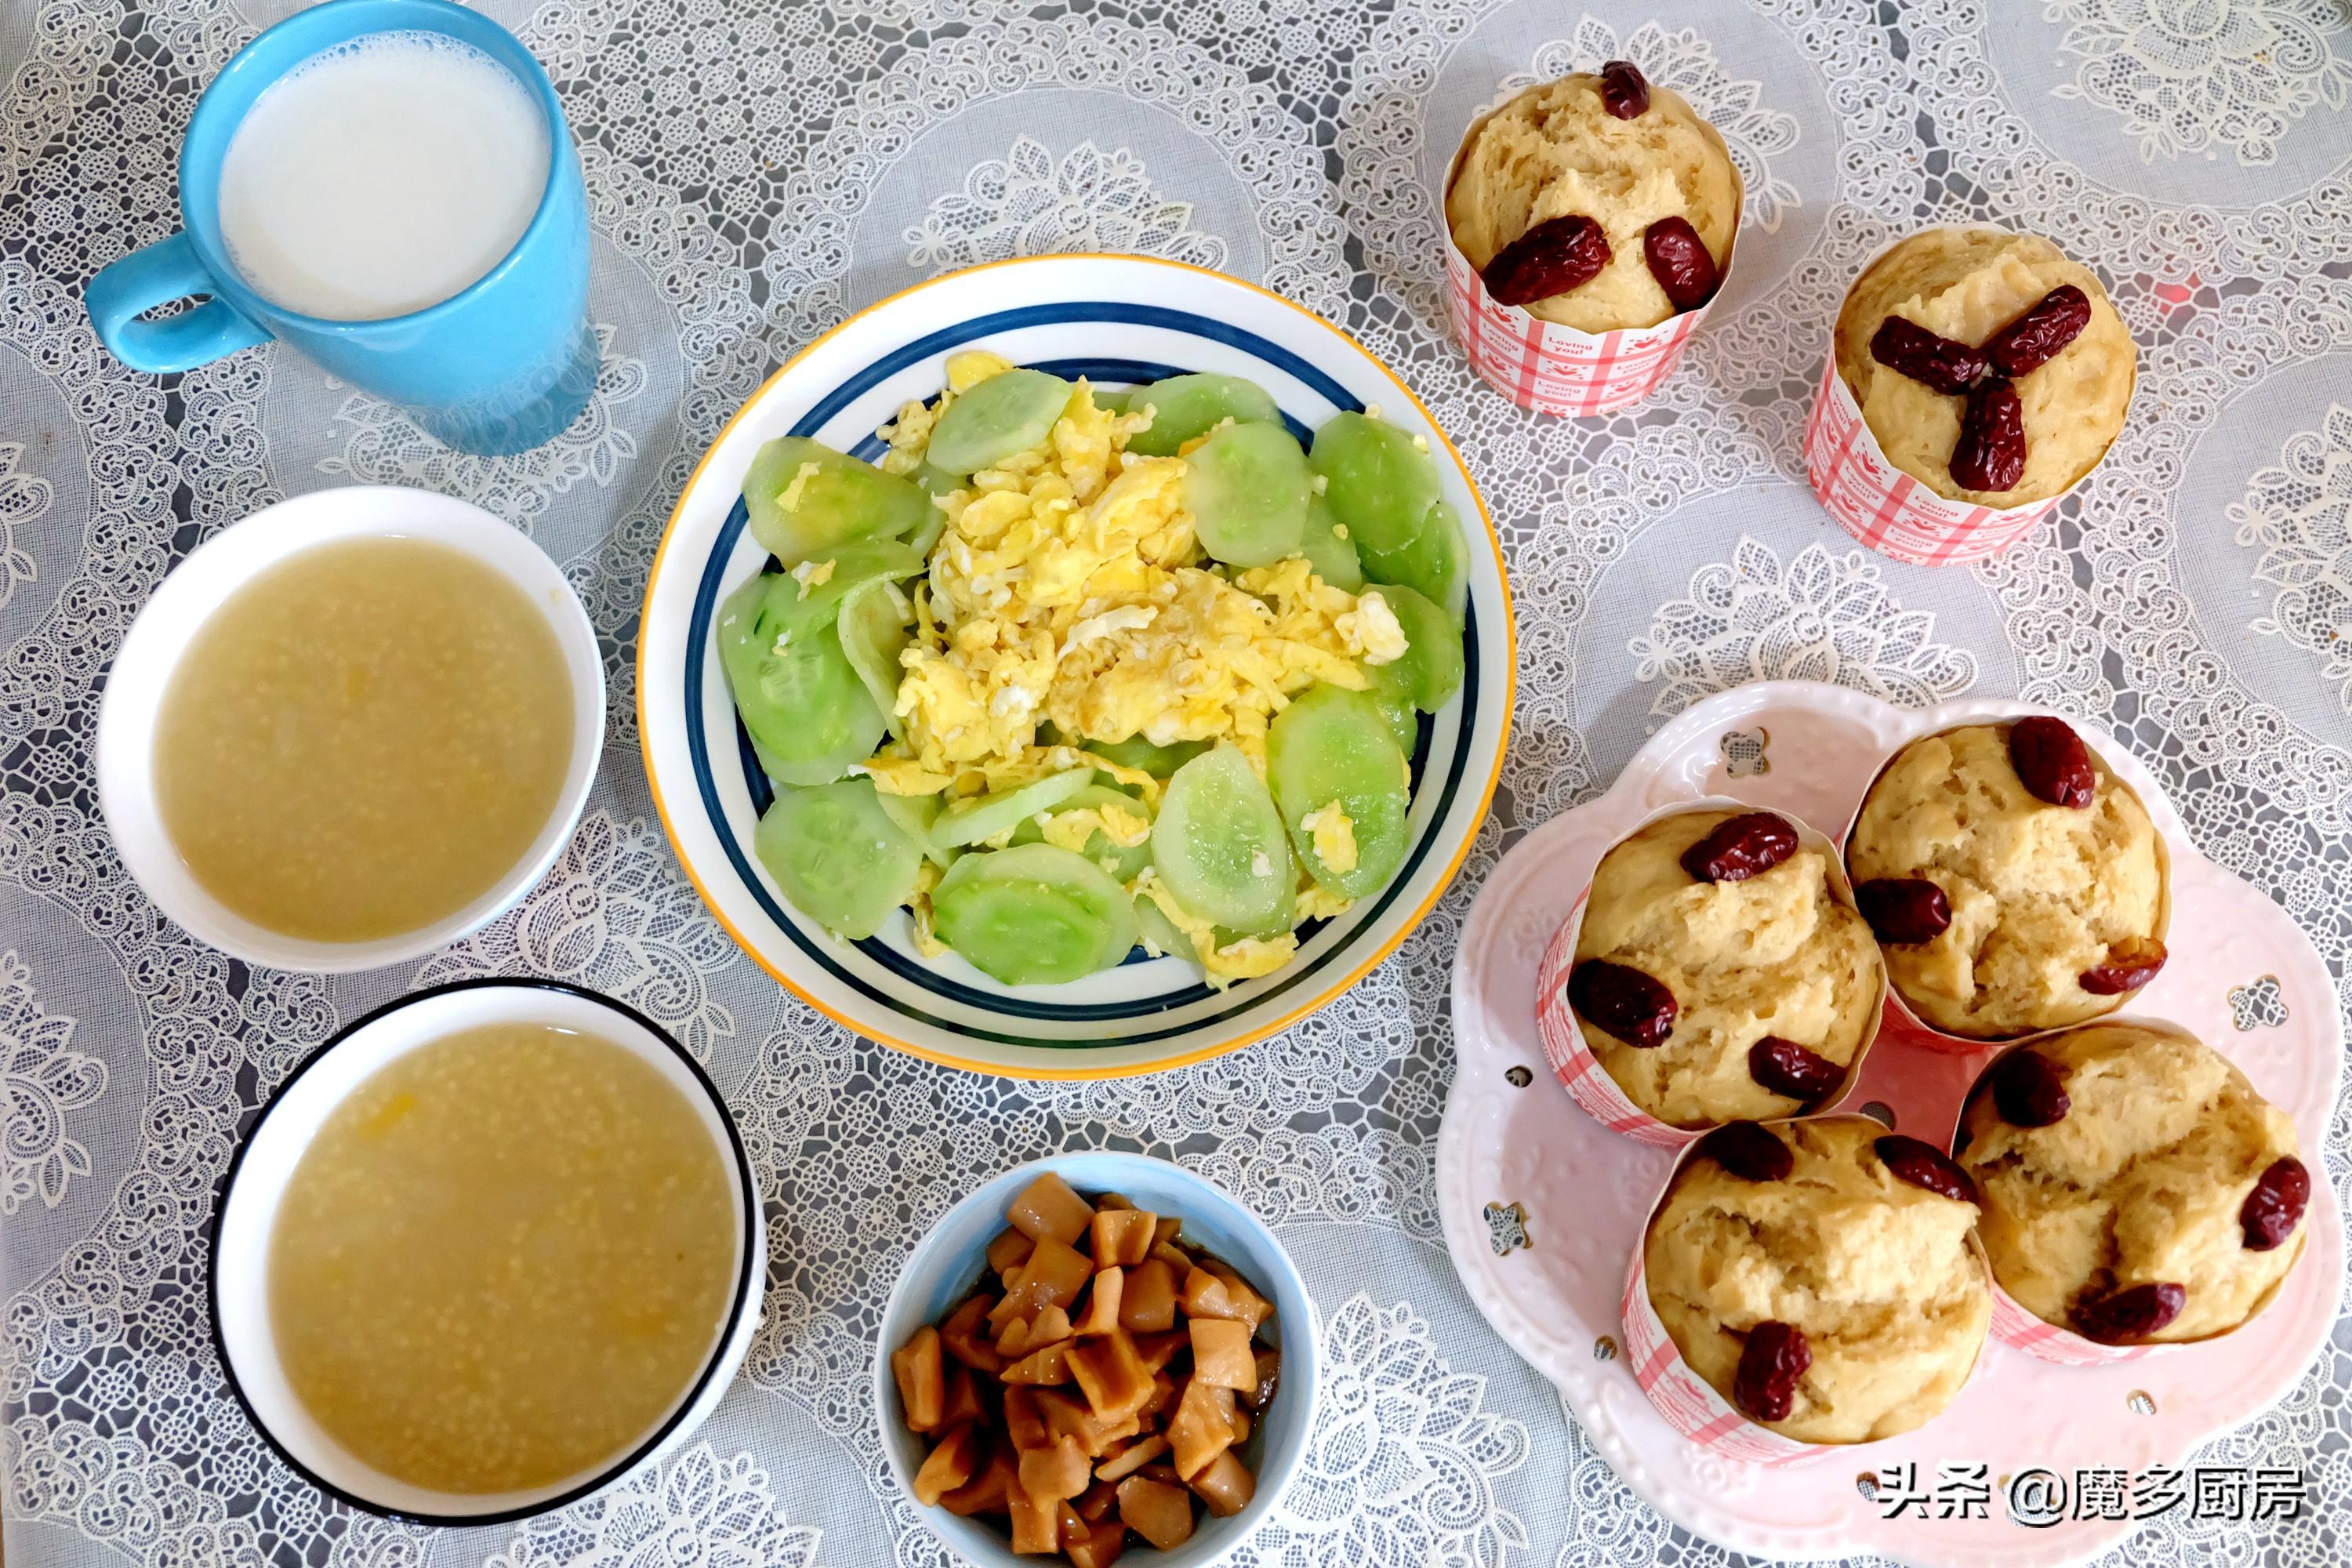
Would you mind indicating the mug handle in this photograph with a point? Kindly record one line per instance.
(155, 275)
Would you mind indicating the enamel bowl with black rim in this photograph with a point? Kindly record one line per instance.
(1119, 321)
(253, 1199)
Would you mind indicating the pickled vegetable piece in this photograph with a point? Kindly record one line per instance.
(1034, 914)
(795, 692)
(1159, 1350)
(1052, 1277)
(961, 1402)
(1376, 481)
(1247, 488)
(1101, 1315)
(1248, 1306)
(1036, 1520)
(961, 1337)
(984, 817)
(1058, 1472)
(1436, 565)
(1220, 845)
(1043, 1367)
(1132, 1459)
(1047, 1206)
(1330, 553)
(877, 622)
(1225, 1484)
(1106, 1538)
(801, 496)
(1113, 1377)
(1023, 1422)
(1204, 1297)
(1183, 406)
(1009, 1251)
(1269, 1378)
(985, 1492)
(1122, 1236)
(1066, 1416)
(922, 1381)
(1147, 1300)
(1221, 1353)
(1160, 1513)
(1199, 1431)
(949, 1466)
(1007, 413)
(1432, 665)
(837, 856)
(1332, 747)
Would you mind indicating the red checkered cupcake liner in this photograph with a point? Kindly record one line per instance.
(1580, 1071)
(1910, 1026)
(1886, 508)
(1688, 1402)
(1553, 369)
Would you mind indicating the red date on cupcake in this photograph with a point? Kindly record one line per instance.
(1924, 1165)
(1932, 360)
(2028, 1090)
(1775, 1356)
(1903, 910)
(1787, 1067)
(1990, 452)
(2131, 964)
(2034, 339)
(1556, 256)
(2275, 1206)
(1624, 90)
(2052, 761)
(1622, 1003)
(1680, 261)
(2132, 1313)
(1741, 847)
(1748, 1150)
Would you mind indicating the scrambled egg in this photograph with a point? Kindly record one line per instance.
(1069, 587)
(1334, 832)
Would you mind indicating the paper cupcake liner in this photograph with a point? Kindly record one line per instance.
(1549, 368)
(2017, 1326)
(1688, 1402)
(1572, 1061)
(1919, 1030)
(1886, 508)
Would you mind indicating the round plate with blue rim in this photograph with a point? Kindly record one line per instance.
(1118, 321)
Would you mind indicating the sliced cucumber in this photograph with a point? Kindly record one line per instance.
(808, 713)
(1331, 555)
(914, 813)
(842, 499)
(1330, 745)
(970, 821)
(1035, 915)
(838, 856)
(1247, 488)
(1008, 412)
(1182, 406)
(1135, 751)
(1220, 846)
(1376, 481)
(877, 624)
(1157, 932)
(1124, 862)
(1431, 670)
(1436, 565)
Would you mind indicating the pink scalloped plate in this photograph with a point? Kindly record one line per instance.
(1542, 1204)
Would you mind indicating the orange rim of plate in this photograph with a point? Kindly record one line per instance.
(1203, 1053)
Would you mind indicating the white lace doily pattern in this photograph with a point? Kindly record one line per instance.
(756, 170)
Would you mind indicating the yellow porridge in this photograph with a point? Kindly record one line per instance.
(502, 1259)
(364, 740)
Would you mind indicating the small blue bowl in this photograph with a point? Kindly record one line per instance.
(949, 1263)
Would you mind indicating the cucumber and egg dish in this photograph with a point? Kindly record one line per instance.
(1069, 671)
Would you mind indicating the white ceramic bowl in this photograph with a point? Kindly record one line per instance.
(218, 568)
(1118, 320)
(239, 1268)
(947, 1264)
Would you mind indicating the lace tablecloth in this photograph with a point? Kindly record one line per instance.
(756, 171)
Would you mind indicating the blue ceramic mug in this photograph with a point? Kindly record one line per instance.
(500, 366)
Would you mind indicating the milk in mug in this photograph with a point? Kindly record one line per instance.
(382, 177)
